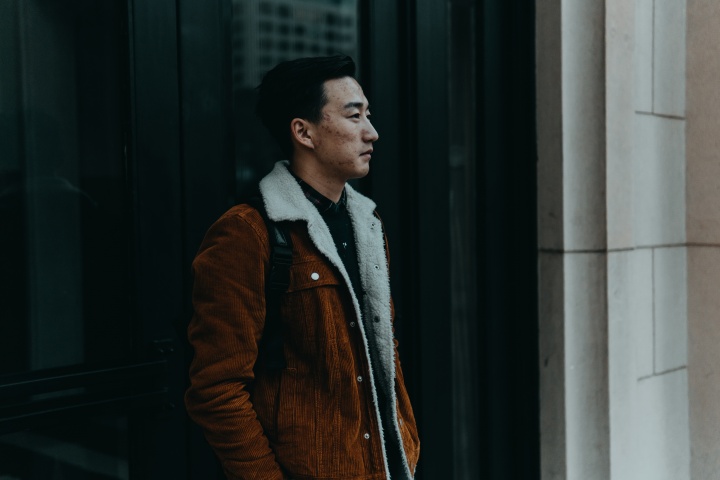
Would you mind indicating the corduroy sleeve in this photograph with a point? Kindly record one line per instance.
(229, 316)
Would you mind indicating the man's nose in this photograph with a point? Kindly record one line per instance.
(371, 135)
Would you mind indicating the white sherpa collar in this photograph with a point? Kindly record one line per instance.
(285, 200)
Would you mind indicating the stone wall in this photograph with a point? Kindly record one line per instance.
(629, 228)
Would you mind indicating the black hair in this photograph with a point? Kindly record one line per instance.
(294, 89)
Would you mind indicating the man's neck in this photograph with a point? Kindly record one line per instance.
(330, 188)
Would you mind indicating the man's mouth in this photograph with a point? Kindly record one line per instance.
(367, 152)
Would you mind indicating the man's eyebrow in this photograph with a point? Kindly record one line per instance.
(358, 105)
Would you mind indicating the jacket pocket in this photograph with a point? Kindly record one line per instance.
(312, 273)
(313, 307)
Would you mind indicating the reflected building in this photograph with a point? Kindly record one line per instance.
(267, 32)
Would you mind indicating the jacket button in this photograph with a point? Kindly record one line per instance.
(359, 379)
(377, 267)
(367, 436)
(315, 276)
(352, 324)
(377, 319)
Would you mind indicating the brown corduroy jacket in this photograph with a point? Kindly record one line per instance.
(317, 418)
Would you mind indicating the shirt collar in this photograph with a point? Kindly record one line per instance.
(321, 202)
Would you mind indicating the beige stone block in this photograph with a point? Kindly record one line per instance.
(586, 366)
(630, 310)
(703, 126)
(649, 423)
(552, 366)
(620, 116)
(659, 181)
(643, 53)
(670, 292)
(663, 446)
(630, 352)
(583, 111)
(669, 58)
(704, 360)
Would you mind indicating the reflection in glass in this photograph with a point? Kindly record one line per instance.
(265, 33)
(93, 449)
(63, 240)
(463, 166)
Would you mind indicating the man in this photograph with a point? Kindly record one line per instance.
(339, 409)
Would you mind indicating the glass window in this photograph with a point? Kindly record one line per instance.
(93, 449)
(265, 7)
(289, 29)
(63, 199)
(462, 156)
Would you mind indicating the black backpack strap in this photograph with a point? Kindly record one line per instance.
(271, 355)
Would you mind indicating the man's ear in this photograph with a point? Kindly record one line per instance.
(302, 132)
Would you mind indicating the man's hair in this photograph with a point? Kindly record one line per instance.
(294, 89)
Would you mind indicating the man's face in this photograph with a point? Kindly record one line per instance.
(343, 138)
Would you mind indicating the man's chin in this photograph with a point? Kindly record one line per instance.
(360, 173)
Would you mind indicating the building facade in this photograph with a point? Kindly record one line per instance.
(546, 173)
(628, 233)
(267, 32)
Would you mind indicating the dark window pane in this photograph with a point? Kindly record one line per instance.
(64, 285)
(284, 11)
(463, 227)
(91, 449)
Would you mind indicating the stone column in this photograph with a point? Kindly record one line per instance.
(702, 148)
(572, 237)
(629, 219)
